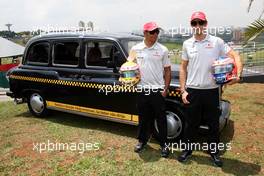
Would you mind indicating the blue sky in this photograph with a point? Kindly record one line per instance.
(123, 15)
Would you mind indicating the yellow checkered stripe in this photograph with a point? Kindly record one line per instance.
(117, 88)
(112, 88)
(174, 93)
(58, 82)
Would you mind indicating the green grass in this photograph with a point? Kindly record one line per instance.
(172, 46)
(19, 130)
(257, 56)
(176, 58)
(254, 58)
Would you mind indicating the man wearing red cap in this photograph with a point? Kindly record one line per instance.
(155, 76)
(200, 93)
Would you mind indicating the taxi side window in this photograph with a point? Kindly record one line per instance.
(38, 54)
(101, 53)
(66, 53)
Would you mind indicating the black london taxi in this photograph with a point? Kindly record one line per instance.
(78, 73)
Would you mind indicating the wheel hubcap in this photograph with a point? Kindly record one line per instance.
(174, 125)
(37, 103)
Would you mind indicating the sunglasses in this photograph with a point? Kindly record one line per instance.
(201, 23)
(154, 31)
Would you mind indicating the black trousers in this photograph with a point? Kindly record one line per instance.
(150, 107)
(204, 104)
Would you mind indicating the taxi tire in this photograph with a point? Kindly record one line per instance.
(37, 104)
(179, 118)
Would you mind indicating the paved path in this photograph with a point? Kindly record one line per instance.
(254, 70)
(3, 96)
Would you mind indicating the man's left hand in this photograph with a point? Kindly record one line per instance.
(164, 93)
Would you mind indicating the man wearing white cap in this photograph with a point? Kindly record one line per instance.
(200, 93)
(155, 76)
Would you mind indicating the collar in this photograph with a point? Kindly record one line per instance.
(207, 38)
(144, 46)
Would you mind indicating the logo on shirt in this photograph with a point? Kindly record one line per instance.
(193, 51)
(209, 45)
(140, 54)
(156, 54)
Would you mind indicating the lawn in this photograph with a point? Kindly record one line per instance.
(176, 57)
(113, 143)
(171, 46)
(255, 57)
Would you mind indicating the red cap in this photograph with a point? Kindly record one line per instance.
(150, 26)
(198, 15)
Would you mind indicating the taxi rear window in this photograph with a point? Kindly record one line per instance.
(66, 53)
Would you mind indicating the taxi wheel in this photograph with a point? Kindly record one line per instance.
(37, 104)
(175, 126)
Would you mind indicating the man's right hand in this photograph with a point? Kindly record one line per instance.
(184, 97)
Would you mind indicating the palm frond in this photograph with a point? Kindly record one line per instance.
(254, 29)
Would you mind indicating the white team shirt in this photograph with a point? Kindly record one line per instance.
(201, 55)
(151, 63)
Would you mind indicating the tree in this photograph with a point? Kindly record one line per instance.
(256, 27)
(90, 25)
(81, 24)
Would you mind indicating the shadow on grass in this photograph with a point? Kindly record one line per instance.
(231, 166)
(227, 134)
(26, 114)
(79, 121)
(150, 154)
